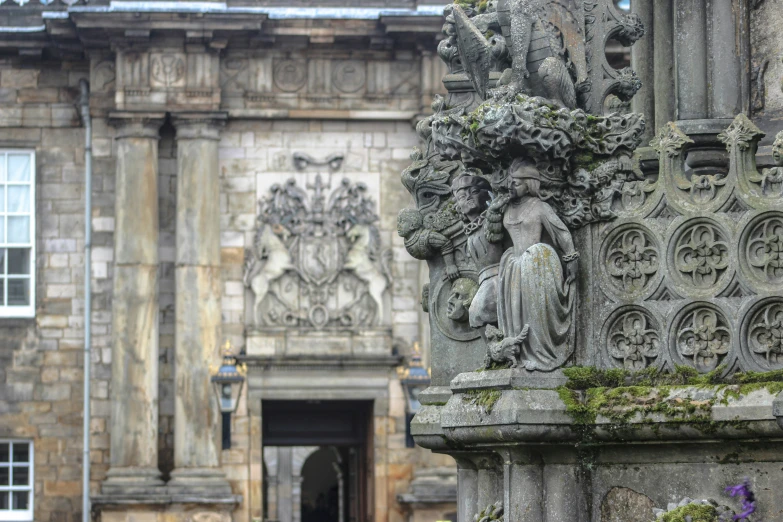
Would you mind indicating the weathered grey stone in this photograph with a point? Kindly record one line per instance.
(134, 459)
(626, 505)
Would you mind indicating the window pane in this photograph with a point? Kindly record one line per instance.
(2, 198)
(2, 292)
(18, 198)
(2, 167)
(18, 229)
(21, 449)
(4, 452)
(4, 500)
(4, 473)
(18, 292)
(21, 476)
(19, 264)
(18, 167)
(21, 499)
(2, 229)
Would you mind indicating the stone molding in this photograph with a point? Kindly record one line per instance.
(137, 124)
(199, 125)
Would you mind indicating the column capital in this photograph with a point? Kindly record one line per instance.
(137, 124)
(199, 125)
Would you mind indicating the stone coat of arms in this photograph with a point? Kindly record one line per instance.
(316, 260)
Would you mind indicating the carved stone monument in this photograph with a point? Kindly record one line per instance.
(316, 264)
(558, 248)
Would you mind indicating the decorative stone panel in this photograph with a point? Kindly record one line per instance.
(691, 270)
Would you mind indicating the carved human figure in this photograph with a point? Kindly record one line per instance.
(531, 289)
(472, 196)
(772, 179)
(463, 291)
(425, 243)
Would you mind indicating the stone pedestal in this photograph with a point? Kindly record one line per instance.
(198, 314)
(134, 414)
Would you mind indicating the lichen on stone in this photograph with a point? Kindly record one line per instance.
(485, 399)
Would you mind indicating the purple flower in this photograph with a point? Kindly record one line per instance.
(748, 499)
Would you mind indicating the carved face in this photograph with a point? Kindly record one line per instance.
(472, 200)
(408, 221)
(777, 150)
(462, 293)
(519, 181)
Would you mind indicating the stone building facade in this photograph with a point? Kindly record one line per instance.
(201, 113)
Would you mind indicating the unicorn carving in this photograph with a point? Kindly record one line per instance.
(360, 259)
(270, 248)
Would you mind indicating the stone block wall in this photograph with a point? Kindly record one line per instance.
(41, 372)
(256, 154)
(41, 359)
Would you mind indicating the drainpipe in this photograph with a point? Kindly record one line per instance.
(84, 106)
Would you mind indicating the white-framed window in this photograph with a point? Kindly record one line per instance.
(17, 233)
(16, 480)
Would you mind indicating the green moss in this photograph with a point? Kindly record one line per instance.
(698, 513)
(489, 34)
(585, 377)
(485, 399)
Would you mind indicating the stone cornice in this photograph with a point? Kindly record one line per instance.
(199, 125)
(137, 124)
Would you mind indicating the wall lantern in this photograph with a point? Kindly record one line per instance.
(414, 379)
(228, 381)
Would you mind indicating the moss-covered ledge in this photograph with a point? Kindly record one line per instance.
(598, 406)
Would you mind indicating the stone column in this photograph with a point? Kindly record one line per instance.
(197, 308)
(726, 92)
(643, 63)
(663, 57)
(467, 488)
(522, 485)
(490, 486)
(134, 398)
(690, 29)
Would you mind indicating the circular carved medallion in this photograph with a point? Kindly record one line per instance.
(349, 76)
(702, 336)
(290, 75)
(439, 297)
(630, 259)
(633, 339)
(761, 249)
(700, 255)
(762, 334)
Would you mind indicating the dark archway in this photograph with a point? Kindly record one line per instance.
(322, 476)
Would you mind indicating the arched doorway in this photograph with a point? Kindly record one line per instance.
(323, 486)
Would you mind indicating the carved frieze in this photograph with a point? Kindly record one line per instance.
(171, 79)
(716, 282)
(316, 261)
